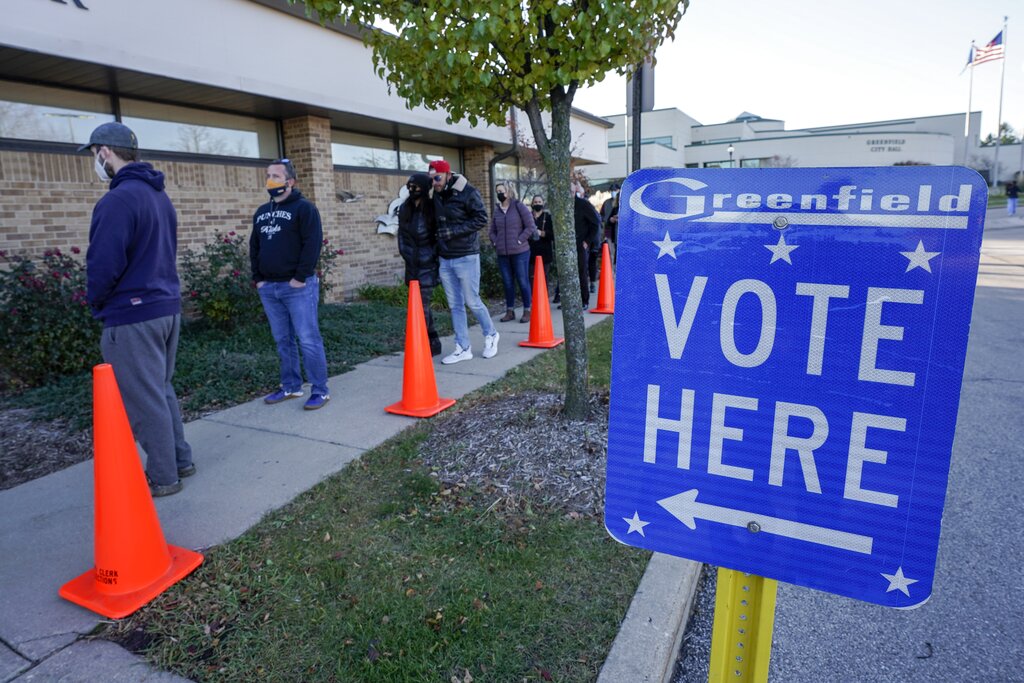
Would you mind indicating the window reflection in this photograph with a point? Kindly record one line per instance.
(31, 112)
(366, 151)
(416, 156)
(193, 131)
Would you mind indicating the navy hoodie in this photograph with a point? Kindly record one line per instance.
(131, 264)
(286, 240)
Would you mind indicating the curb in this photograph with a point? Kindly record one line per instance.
(646, 649)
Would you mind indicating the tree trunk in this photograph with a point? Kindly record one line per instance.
(555, 152)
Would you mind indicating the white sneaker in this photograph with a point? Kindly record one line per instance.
(491, 345)
(459, 354)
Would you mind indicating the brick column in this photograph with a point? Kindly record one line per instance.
(477, 160)
(307, 144)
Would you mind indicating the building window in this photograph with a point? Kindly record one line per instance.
(366, 151)
(664, 141)
(416, 156)
(751, 163)
(194, 131)
(32, 112)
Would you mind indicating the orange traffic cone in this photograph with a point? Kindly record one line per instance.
(605, 286)
(419, 388)
(541, 334)
(134, 563)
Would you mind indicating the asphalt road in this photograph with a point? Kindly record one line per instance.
(971, 628)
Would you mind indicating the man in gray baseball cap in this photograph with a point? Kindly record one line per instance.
(133, 288)
(112, 134)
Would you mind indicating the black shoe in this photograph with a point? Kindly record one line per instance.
(556, 299)
(156, 490)
(186, 471)
(435, 347)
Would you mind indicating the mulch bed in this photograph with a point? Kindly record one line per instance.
(31, 449)
(519, 449)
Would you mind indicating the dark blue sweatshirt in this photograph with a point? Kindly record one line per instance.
(131, 264)
(286, 240)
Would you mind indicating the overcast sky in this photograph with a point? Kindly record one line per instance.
(824, 63)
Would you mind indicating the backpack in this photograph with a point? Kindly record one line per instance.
(520, 207)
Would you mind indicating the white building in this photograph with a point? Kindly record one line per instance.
(671, 139)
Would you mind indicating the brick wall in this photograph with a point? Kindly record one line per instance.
(369, 257)
(46, 202)
(477, 160)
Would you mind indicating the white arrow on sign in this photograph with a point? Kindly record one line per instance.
(686, 509)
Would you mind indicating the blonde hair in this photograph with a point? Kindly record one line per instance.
(510, 190)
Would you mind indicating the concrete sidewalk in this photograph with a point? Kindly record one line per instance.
(251, 460)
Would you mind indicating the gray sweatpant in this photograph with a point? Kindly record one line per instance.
(143, 356)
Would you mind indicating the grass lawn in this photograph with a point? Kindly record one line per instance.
(382, 574)
(996, 201)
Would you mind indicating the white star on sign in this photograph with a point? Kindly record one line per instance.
(780, 250)
(919, 258)
(898, 582)
(635, 524)
(666, 247)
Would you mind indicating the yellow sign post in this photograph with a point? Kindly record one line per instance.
(741, 642)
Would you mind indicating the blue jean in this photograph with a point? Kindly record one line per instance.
(292, 312)
(461, 280)
(519, 265)
(1011, 205)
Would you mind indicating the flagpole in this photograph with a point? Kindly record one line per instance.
(967, 116)
(999, 121)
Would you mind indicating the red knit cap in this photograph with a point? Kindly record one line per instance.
(440, 166)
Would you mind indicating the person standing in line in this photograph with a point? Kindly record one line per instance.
(543, 244)
(417, 243)
(588, 225)
(594, 251)
(461, 215)
(133, 288)
(284, 249)
(1012, 191)
(512, 227)
(610, 220)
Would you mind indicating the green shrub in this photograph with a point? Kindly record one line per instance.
(46, 328)
(491, 286)
(217, 281)
(398, 295)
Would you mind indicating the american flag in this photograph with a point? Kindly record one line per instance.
(990, 52)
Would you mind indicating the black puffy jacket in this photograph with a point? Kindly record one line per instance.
(417, 243)
(460, 217)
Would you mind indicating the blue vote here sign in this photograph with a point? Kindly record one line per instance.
(787, 358)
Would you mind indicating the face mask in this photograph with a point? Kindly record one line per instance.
(615, 193)
(415, 191)
(275, 188)
(501, 196)
(101, 169)
(538, 207)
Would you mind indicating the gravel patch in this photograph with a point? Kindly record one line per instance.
(519, 450)
(31, 449)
